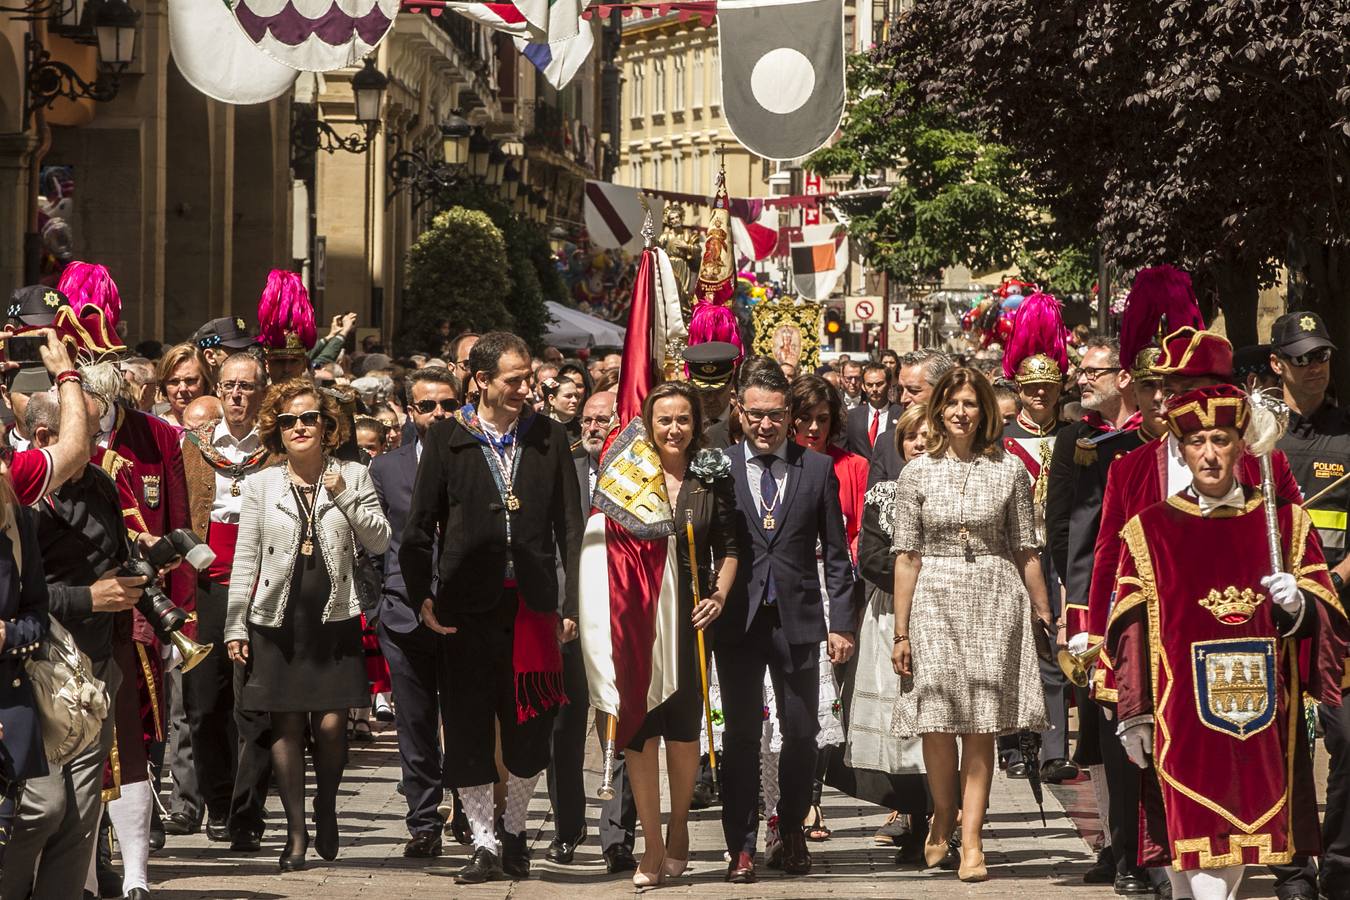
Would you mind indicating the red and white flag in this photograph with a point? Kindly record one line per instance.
(629, 604)
(614, 215)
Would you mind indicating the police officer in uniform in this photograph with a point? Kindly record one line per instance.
(1317, 444)
(711, 365)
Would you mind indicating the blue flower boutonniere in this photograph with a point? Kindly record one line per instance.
(710, 465)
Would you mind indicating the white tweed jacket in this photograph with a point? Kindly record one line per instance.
(269, 539)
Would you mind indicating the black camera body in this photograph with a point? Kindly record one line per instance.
(162, 613)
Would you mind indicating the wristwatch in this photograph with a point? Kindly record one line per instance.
(1338, 583)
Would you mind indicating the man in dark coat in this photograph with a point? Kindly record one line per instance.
(498, 489)
(787, 501)
(868, 421)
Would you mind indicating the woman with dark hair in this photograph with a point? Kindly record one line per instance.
(575, 370)
(969, 599)
(294, 617)
(562, 399)
(699, 485)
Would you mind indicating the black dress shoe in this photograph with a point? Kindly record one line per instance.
(156, 841)
(1057, 771)
(326, 833)
(796, 858)
(515, 854)
(1133, 883)
(910, 852)
(485, 866)
(423, 846)
(619, 858)
(136, 894)
(293, 861)
(704, 795)
(246, 842)
(1304, 892)
(180, 824)
(561, 852)
(1017, 769)
(741, 870)
(217, 830)
(1103, 871)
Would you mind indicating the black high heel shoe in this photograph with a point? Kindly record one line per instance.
(294, 862)
(326, 832)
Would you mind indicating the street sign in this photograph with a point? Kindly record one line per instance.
(863, 309)
(901, 317)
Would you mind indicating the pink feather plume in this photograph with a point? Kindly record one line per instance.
(1157, 292)
(1037, 328)
(285, 307)
(90, 284)
(714, 322)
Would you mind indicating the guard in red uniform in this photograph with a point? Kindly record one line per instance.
(1212, 654)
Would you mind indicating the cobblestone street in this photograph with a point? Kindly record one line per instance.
(1025, 859)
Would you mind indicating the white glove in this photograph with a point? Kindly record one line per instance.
(1284, 591)
(1078, 643)
(1138, 743)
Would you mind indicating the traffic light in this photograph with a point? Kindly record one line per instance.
(834, 322)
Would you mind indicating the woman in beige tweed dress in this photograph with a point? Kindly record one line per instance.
(968, 589)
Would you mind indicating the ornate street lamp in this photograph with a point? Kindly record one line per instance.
(114, 25)
(309, 133)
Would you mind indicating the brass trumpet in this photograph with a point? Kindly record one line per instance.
(1075, 665)
(190, 651)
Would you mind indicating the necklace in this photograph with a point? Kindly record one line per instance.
(306, 498)
(236, 472)
(769, 522)
(963, 533)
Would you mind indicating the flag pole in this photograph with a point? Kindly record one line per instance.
(702, 652)
(606, 791)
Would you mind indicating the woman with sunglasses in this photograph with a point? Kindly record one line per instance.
(294, 618)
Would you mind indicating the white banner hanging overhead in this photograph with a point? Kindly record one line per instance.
(782, 73)
(316, 35)
(218, 59)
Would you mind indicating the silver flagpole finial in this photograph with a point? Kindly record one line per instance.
(648, 229)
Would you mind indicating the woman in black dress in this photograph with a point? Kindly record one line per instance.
(294, 616)
(700, 485)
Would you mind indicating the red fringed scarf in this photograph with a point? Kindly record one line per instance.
(537, 661)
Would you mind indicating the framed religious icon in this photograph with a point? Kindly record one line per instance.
(788, 330)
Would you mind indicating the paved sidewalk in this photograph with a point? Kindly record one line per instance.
(1026, 860)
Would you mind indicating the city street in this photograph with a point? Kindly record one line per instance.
(1025, 859)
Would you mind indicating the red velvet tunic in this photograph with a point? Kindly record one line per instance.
(1137, 481)
(1201, 650)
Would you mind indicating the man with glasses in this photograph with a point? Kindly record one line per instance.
(851, 376)
(1317, 443)
(460, 348)
(411, 649)
(787, 501)
(229, 744)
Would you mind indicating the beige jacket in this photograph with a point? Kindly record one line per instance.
(269, 539)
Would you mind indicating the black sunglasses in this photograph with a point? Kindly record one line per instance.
(286, 421)
(1320, 355)
(425, 407)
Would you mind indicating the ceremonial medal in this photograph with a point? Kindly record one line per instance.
(769, 523)
(234, 488)
(512, 501)
(306, 547)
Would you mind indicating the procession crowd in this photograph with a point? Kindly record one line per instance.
(221, 559)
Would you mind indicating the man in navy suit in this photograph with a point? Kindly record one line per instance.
(787, 501)
(867, 421)
(409, 646)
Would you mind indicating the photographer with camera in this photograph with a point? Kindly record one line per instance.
(54, 834)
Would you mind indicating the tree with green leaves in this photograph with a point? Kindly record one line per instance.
(457, 270)
(954, 196)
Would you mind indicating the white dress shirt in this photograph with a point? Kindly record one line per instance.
(882, 417)
(1236, 498)
(225, 508)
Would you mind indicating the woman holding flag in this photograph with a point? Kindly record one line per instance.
(700, 490)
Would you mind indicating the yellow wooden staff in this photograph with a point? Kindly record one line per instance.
(702, 654)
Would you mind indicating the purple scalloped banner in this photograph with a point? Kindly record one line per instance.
(292, 27)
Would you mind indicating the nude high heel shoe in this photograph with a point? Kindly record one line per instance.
(972, 868)
(935, 846)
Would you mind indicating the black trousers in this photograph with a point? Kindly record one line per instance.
(414, 665)
(253, 772)
(794, 670)
(566, 781)
(1124, 778)
(1334, 875)
(208, 698)
(479, 702)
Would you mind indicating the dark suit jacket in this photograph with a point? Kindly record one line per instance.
(855, 431)
(810, 512)
(394, 474)
(885, 462)
(455, 500)
(23, 609)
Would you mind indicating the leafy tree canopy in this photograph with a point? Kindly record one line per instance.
(956, 198)
(457, 271)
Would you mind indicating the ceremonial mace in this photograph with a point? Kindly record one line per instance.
(702, 654)
(1270, 418)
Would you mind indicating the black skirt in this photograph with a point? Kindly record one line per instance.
(306, 664)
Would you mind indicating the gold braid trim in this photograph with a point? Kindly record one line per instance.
(149, 675)
(115, 764)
